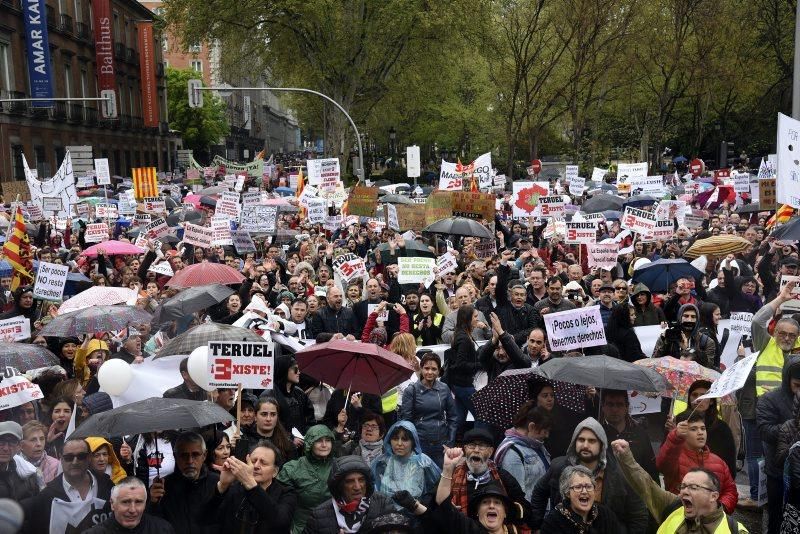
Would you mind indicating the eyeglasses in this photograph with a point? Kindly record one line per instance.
(580, 488)
(478, 446)
(370, 427)
(294, 368)
(694, 487)
(69, 458)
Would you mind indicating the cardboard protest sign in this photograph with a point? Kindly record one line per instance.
(626, 171)
(577, 186)
(768, 197)
(581, 233)
(411, 216)
(333, 222)
(199, 236)
(643, 403)
(668, 210)
(575, 329)
(362, 201)
(162, 268)
(141, 219)
(103, 171)
(317, 211)
(486, 248)
(52, 204)
(234, 363)
(259, 219)
(647, 185)
(446, 263)
(474, 205)
(17, 390)
(254, 197)
(639, 221)
(222, 231)
(106, 211)
(415, 270)
(438, 206)
(732, 379)
(571, 172)
(17, 328)
(50, 281)
(96, 233)
(598, 174)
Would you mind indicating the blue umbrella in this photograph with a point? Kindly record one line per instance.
(679, 159)
(5, 268)
(76, 282)
(658, 275)
(640, 201)
(284, 191)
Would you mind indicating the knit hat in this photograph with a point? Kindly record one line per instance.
(285, 295)
(97, 403)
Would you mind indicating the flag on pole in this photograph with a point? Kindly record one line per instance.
(781, 216)
(145, 182)
(299, 191)
(17, 251)
(473, 186)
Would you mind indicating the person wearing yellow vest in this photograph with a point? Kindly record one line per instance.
(695, 509)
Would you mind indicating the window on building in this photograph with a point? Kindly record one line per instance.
(6, 68)
(91, 16)
(76, 4)
(17, 169)
(42, 167)
(67, 80)
(194, 48)
(61, 153)
(117, 29)
(62, 7)
(164, 43)
(197, 66)
(132, 101)
(84, 83)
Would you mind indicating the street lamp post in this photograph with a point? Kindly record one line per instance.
(392, 139)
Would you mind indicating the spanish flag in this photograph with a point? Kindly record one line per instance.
(145, 182)
(17, 251)
(781, 216)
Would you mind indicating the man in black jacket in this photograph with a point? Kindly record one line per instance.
(618, 424)
(502, 352)
(362, 310)
(516, 315)
(74, 501)
(128, 501)
(354, 500)
(15, 483)
(334, 318)
(181, 498)
(187, 389)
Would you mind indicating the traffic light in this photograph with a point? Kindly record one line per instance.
(726, 154)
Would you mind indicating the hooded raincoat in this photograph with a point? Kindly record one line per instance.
(309, 477)
(114, 468)
(649, 314)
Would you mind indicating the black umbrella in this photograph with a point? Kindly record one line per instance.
(603, 372)
(396, 199)
(169, 202)
(208, 201)
(412, 249)
(190, 300)
(185, 215)
(788, 232)
(603, 202)
(459, 226)
(203, 333)
(640, 201)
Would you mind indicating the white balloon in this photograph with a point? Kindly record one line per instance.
(114, 376)
(641, 262)
(197, 366)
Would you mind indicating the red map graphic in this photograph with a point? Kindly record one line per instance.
(528, 197)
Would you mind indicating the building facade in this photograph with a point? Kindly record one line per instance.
(42, 134)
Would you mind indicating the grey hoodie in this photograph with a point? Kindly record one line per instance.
(594, 425)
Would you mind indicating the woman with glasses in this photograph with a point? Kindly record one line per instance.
(620, 292)
(578, 512)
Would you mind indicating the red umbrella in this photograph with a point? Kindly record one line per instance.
(353, 365)
(205, 273)
(113, 248)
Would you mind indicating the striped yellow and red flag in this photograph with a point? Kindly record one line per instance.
(299, 191)
(473, 186)
(145, 182)
(781, 216)
(17, 251)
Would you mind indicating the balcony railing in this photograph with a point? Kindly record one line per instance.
(66, 23)
(58, 112)
(14, 108)
(90, 116)
(119, 50)
(82, 30)
(75, 113)
(51, 16)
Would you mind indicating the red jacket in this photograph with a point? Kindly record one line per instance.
(372, 323)
(674, 460)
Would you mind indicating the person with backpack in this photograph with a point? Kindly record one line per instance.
(684, 341)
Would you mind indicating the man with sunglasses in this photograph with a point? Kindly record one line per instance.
(75, 500)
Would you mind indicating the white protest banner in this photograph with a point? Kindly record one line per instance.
(581, 233)
(571, 172)
(575, 329)
(349, 266)
(603, 255)
(741, 323)
(598, 174)
(333, 222)
(199, 236)
(662, 231)
(500, 181)
(141, 219)
(647, 185)
(668, 210)
(485, 249)
(245, 363)
(35, 212)
(526, 197)
(228, 204)
(451, 177)
(103, 171)
(577, 186)
(222, 231)
(446, 263)
(162, 268)
(254, 197)
(639, 221)
(17, 390)
(732, 379)
(18, 328)
(155, 204)
(626, 171)
(83, 182)
(239, 185)
(643, 403)
(96, 232)
(243, 242)
(259, 219)
(415, 270)
(786, 278)
(309, 194)
(741, 182)
(788, 174)
(51, 204)
(551, 206)
(50, 281)
(392, 222)
(156, 228)
(317, 210)
(324, 173)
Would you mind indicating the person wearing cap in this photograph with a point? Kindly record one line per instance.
(788, 265)
(479, 469)
(17, 477)
(34, 438)
(606, 302)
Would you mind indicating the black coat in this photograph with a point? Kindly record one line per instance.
(15, 487)
(774, 408)
(636, 435)
(37, 509)
(148, 525)
(517, 321)
(185, 501)
(254, 511)
(463, 362)
(323, 518)
(516, 358)
(555, 522)
(342, 322)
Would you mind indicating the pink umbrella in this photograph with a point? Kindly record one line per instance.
(205, 273)
(192, 199)
(97, 295)
(113, 248)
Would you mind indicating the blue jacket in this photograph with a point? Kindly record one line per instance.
(432, 411)
(527, 460)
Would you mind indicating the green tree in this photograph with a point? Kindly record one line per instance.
(199, 127)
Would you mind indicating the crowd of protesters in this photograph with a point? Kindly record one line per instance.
(309, 459)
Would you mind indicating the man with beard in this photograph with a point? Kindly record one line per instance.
(478, 471)
(589, 447)
(553, 303)
(696, 506)
(618, 424)
(335, 319)
(365, 307)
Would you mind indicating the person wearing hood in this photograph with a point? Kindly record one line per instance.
(89, 357)
(685, 341)
(403, 466)
(685, 448)
(589, 448)
(647, 313)
(103, 459)
(296, 409)
(522, 452)
(23, 304)
(773, 410)
(742, 291)
(619, 331)
(17, 476)
(696, 508)
(308, 474)
(354, 505)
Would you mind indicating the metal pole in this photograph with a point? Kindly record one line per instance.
(796, 73)
(360, 170)
(62, 99)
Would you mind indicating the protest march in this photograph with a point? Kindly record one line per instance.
(286, 349)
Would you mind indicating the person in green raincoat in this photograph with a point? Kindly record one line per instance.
(308, 475)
